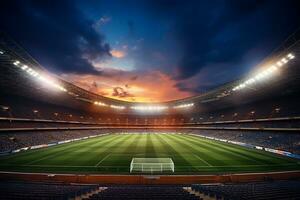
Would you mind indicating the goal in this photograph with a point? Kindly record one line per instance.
(150, 165)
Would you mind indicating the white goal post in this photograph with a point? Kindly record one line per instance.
(150, 165)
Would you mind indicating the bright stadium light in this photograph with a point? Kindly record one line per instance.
(148, 108)
(16, 62)
(38, 76)
(279, 63)
(290, 56)
(24, 67)
(117, 107)
(98, 103)
(284, 60)
(267, 73)
(49, 82)
(1, 52)
(184, 105)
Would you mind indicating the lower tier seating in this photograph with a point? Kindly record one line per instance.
(144, 193)
(281, 190)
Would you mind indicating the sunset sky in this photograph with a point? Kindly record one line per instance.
(149, 50)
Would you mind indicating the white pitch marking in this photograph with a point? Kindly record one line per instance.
(43, 158)
(102, 159)
(180, 166)
(203, 160)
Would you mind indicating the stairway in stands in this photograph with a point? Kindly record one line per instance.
(143, 193)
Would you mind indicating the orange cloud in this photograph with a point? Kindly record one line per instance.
(153, 86)
(117, 53)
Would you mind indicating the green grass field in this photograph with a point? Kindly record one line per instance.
(113, 154)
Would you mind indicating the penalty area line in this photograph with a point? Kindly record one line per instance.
(102, 159)
(202, 160)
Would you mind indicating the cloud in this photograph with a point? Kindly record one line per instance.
(100, 22)
(152, 86)
(117, 53)
(56, 33)
(223, 31)
(162, 50)
(121, 93)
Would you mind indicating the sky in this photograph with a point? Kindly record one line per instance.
(149, 51)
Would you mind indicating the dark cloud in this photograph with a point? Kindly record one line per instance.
(223, 31)
(54, 32)
(121, 93)
(199, 44)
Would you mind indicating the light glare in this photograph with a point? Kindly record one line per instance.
(264, 74)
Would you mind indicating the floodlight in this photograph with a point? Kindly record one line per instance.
(99, 103)
(284, 60)
(279, 63)
(273, 68)
(291, 56)
(148, 108)
(117, 107)
(16, 62)
(24, 67)
(184, 105)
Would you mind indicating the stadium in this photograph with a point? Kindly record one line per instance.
(239, 140)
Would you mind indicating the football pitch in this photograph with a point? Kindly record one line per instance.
(112, 154)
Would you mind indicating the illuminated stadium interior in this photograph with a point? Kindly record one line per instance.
(238, 139)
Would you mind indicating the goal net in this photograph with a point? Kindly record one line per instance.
(151, 165)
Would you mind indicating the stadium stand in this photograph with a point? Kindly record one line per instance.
(37, 190)
(275, 140)
(12, 141)
(259, 191)
(267, 190)
(144, 192)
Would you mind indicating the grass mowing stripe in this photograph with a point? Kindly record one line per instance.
(160, 147)
(102, 159)
(114, 152)
(31, 154)
(139, 147)
(193, 148)
(198, 150)
(49, 151)
(260, 156)
(203, 160)
(212, 152)
(88, 154)
(116, 143)
(69, 147)
(222, 148)
(125, 153)
(179, 160)
(150, 150)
